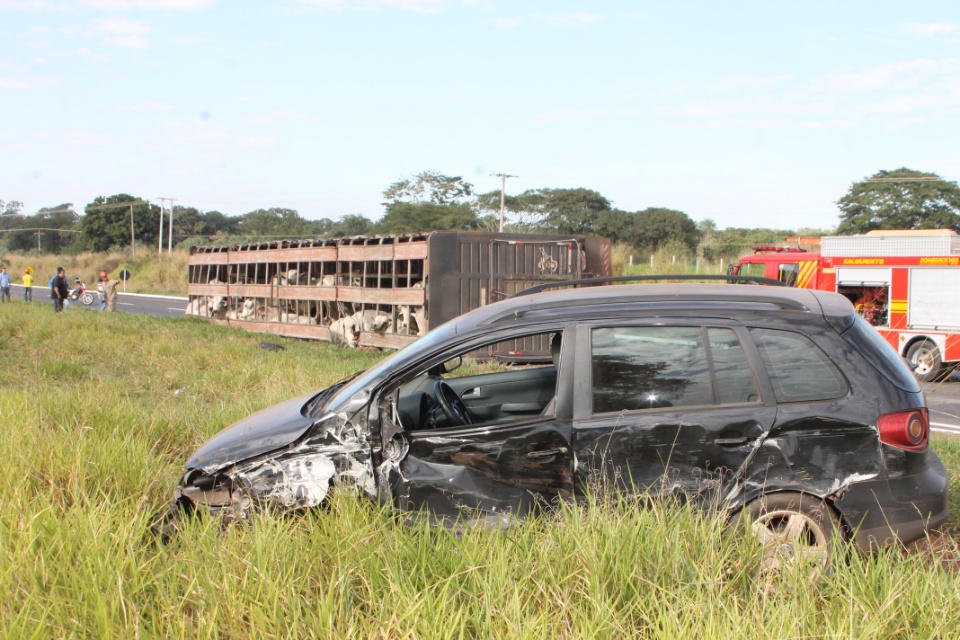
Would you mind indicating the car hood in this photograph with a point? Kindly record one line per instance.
(265, 431)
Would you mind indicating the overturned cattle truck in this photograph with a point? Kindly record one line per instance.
(380, 291)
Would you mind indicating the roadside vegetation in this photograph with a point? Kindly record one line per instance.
(151, 273)
(101, 410)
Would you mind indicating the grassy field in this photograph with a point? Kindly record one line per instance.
(99, 412)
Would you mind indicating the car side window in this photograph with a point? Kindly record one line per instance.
(733, 376)
(498, 383)
(649, 367)
(798, 368)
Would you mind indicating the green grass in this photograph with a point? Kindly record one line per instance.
(99, 411)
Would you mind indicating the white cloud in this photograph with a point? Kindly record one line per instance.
(207, 135)
(573, 19)
(332, 5)
(277, 115)
(413, 6)
(92, 56)
(124, 33)
(569, 116)
(928, 29)
(28, 83)
(170, 5)
(416, 6)
(741, 81)
(145, 107)
(28, 5)
(558, 20)
(903, 123)
(66, 138)
(506, 23)
(895, 76)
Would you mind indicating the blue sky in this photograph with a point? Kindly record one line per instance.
(753, 114)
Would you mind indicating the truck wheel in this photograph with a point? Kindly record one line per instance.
(925, 356)
(796, 530)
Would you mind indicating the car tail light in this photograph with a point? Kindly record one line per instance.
(905, 429)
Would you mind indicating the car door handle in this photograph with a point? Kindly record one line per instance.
(731, 442)
(471, 393)
(547, 453)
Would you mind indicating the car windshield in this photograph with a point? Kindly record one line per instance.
(394, 362)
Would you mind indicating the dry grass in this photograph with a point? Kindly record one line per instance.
(166, 274)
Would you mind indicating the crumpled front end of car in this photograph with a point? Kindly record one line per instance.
(335, 453)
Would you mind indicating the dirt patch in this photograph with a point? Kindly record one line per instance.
(938, 546)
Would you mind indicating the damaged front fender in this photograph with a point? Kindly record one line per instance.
(335, 453)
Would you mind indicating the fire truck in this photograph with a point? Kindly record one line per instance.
(905, 283)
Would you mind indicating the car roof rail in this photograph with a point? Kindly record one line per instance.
(592, 282)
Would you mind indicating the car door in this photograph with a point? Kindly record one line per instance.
(486, 470)
(672, 408)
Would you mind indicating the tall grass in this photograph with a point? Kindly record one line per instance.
(99, 411)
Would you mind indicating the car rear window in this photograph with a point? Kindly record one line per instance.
(797, 367)
(878, 352)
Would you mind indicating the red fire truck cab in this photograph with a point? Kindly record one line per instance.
(905, 283)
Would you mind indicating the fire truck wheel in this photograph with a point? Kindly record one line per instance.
(925, 356)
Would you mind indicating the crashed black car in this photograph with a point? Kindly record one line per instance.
(780, 404)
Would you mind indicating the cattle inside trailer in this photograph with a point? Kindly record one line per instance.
(381, 291)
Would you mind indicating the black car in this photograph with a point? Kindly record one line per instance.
(780, 404)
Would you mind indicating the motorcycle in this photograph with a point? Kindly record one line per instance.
(81, 293)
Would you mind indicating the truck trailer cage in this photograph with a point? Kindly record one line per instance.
(379, 291)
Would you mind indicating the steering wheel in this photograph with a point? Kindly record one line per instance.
(453, 407)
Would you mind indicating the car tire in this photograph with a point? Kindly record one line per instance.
(925, 356)
(795, 529)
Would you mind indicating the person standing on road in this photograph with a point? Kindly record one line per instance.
(110, 292)
(101, 278)
(59, 290)
(4, 285)
(28, 284)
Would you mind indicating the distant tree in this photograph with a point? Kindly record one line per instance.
(106, 222)
(11, 208)
(429, 187)
(275, 221)
(427, 202)
(900, 199)
(352, 224)
(570, 210)
(707, 229)
(191, 222)
(48, 219)
(614, 224)
(408, 217)
(655, 227)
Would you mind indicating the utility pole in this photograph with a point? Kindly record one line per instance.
(503, 189)
(170, 239)
(133, 239)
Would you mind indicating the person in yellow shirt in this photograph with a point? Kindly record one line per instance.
(28, 285)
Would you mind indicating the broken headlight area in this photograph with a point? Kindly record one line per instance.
(274, 485)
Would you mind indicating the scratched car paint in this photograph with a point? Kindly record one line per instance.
(779, 404)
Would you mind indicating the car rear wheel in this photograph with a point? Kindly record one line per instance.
(796, 531)
(925, 358)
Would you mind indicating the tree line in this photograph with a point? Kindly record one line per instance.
(898, 199)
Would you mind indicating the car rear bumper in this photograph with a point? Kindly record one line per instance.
(876, 517)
